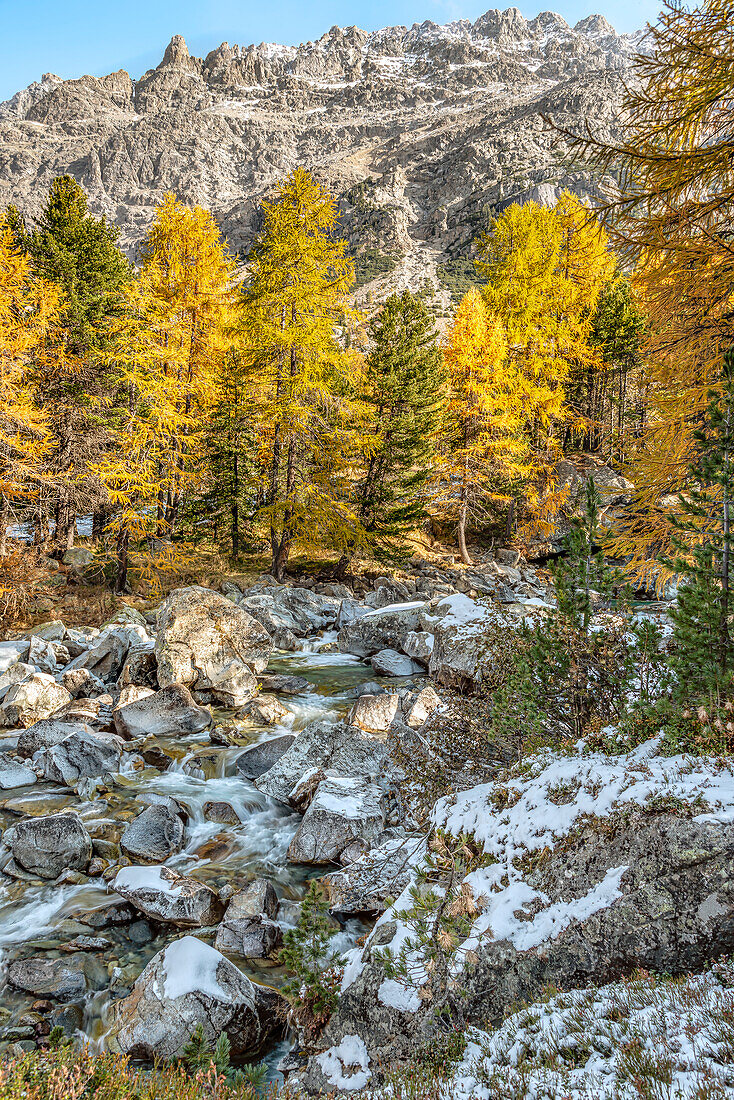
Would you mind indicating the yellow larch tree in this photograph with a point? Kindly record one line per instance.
(485, 457)
(29, 320)
(167, 353)
(295, 314)
(672, 219)
(545, 269)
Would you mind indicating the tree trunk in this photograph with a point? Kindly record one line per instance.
(510, 524)
(123, 544)
(4, 519)
(235, 507)
(462, 535)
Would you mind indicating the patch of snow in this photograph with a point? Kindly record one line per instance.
(190, 966)
(351, 1054)
(146, 878)
(395, 607)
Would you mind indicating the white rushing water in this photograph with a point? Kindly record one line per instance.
(39, 919)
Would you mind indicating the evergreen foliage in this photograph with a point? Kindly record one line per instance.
(403, 394)
(199, 1056)
(312, 991)
(570, 676)
(80, 254)
(703, 654)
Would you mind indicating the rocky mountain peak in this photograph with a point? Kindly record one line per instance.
(421, 132)
(177, 55)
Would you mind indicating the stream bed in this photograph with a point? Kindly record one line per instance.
(43, 918)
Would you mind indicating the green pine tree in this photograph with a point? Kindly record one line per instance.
(703, 654)
(405, 385)
(80, 253)
(570, 676)
(312, 991)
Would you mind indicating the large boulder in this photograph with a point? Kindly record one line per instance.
(335, 747)
(375, 713)
(172, 710)
(37, 697)
(48, 732)
(459, 630)
(153, 836)
(343, 810)
(13, 652)
(80, 754)
(209, 644)
(47, 846)
(259, 758)
(106, 656)
(386, 628)
(14, 773)
(252, 938)
(593, 867)
(68, 979)
(186, 986)
(13, 675)
(297, 610)
(162, 894)
(388, 662)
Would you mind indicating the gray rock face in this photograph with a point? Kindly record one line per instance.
(258, 899)
(419, 645)
(336, 748)
(210, 645)
(46, 846)
(78, 755)
(154, 835)
(452, 116)
(81, 683)
(388, 662)
(37, 697)
(285, 685)
(374, 713)
(673, 911)
(186, 985)
(343, 810)
(48, 732)
(260, 758)
(67, 979)
(13, 773)
(266, 710)
(160, 893)
(382, 629)
(297, 610)
(172, 710)
(15, 674)
(249, 937)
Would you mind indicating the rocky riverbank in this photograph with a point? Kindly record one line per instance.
(171, 781)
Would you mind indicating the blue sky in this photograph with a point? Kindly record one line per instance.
(72, 37)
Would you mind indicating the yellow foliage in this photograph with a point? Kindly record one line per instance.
(485, 454)
(295, 307)
(29, 317)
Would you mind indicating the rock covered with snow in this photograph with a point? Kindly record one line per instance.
(593, 866)
(342, 810)
(188, 985)
(336, 748)
(210, 645)
(163, 894)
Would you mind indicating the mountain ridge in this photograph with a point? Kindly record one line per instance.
(419, 131)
